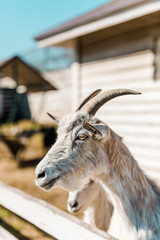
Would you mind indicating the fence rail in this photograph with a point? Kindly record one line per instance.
(5, 235)
(48, 218)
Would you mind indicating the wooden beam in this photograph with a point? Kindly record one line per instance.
(47, 217)
(157, 58)
(75, 74)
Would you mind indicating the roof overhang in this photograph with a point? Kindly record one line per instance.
(66, 38)
(24, 74)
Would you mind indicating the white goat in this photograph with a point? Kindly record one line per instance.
(94, 202)
(86, 148)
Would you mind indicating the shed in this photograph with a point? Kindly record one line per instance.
(17, 78)
(118, 46)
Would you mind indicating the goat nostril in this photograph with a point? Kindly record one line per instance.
(73, 204)
(41, 175)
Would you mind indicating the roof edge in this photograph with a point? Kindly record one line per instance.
(67, 38)
(96, 14)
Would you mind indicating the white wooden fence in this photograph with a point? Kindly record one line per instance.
(48, 218)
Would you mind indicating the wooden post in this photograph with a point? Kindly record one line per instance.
(157, 58)
(75, 75)
(1, 103)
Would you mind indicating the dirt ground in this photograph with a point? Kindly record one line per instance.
(24, 179)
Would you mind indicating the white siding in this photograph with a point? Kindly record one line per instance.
(136, 118)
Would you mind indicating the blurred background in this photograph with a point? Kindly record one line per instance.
(54, 53)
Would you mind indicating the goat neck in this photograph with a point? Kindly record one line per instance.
(135, 197)
(101, 210)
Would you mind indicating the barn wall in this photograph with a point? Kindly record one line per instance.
(125, 60)
(115, 47)
(101, 45)
(128, 59)
(136, 118)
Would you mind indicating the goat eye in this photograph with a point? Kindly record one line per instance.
(81, 137)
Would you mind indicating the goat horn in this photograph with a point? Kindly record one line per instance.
(95, 103)
(92, 95)
(51, 116)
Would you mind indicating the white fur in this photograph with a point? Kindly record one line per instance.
(94, 202)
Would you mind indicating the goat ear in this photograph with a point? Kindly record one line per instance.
(90, 128)
(97, 129)
(54, 119)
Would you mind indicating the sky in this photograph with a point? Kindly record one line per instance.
(22, 20)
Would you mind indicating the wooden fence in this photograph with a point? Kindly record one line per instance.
(48, 218)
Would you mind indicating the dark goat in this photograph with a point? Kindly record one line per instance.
(49, 136)
(13, 144)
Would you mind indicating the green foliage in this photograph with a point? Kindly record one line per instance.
(12, 129)
(11, 219)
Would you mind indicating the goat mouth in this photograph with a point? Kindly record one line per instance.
(75, 210)
(49, 185)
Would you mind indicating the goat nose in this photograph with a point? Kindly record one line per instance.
(73, 204)
(41, 175)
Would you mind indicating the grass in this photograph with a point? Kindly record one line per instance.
(12, 129)
(10, 219)
(11, 174)
(20, 228)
